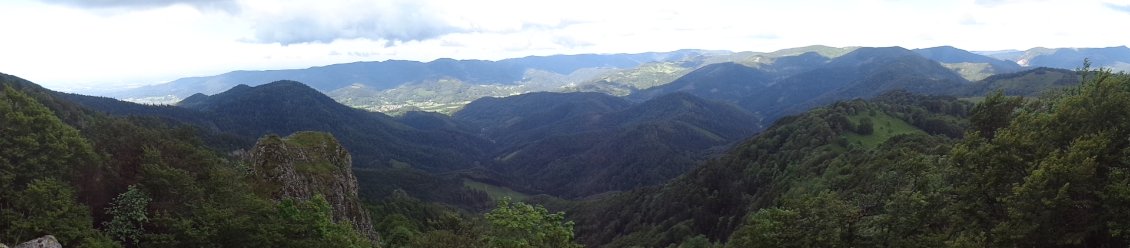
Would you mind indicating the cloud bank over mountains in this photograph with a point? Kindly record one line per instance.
(152, 41)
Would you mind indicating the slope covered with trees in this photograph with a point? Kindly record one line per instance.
(970, 65)
(712, 199)
(1024, 83)
(793, 84)
(98, 181)
(245, 113)
(93, 180)
(1043, 172)
(580, 144)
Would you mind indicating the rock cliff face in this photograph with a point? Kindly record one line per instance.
(41, 242)
(305, 164)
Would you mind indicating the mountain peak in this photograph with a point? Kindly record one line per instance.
(283, 84)
(239, 87)
(966, 61)
(194, 99)
(279, 94)
(864, 55)
(826, 51)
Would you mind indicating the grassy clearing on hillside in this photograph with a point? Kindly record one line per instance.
(885, 127)
(495, 192)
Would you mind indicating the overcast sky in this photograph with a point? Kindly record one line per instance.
(108, 43)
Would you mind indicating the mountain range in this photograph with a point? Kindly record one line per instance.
(1068, 58)
(810, 147)
(445, 85)
(573, 144)
(524, 139)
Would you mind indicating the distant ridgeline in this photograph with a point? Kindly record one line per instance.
(806, 147)
(445, 85)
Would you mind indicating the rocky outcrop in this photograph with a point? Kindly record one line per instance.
(306, 164)
(41, 242)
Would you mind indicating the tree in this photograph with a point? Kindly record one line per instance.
(38, 156)
(48, 206)
(445, 239)
(310, 223)
(995, 112)
(699, 241)
(524, 225)
(129, 217)
(865, 127)
(1053, 174)
(820, 220)
(36, 144)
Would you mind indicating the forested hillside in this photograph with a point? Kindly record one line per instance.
(902, 170)
(97, 181)
(898, 169)
(580, 144)
(794, 84)
(93, 180)
(713, 199)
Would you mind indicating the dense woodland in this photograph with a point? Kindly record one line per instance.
(93, 180)
(1044, 172)
(896, 166)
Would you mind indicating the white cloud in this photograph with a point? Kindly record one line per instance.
(228, 5)
(68, 42)
(290, 22)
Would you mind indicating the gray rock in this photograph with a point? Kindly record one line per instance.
(305, 164)
(41, 242)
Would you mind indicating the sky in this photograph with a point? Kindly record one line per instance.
(101, 44)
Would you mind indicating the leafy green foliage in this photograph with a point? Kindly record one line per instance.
(198, 198)
(1047, 172)
(699, 241)
(405, 221)
(524, 225)
(495, 192)
(993, 113)
(447, 189)
(928, 172)
(40, 153)
(1031, 82)
(820, 221)
(48, 207)
(310, 224)
(1053, 174)
(865, 127)
(36, 143)
(128, 211)
(799, 156)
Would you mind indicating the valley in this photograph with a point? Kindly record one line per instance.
(564, 124)
(812, 146)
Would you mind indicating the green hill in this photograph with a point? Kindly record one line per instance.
(714, 198)
(579, 144)
(93, 180)
(1041, 173)
(1025, 83)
